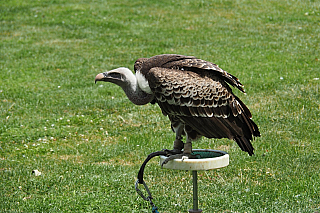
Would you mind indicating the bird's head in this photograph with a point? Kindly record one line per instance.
(121, 76)
(124, 78)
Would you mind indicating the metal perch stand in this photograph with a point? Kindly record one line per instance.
(207, 160)
(195, 193)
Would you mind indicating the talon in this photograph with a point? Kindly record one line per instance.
(181, 156)
(171, 157)
(184, 157)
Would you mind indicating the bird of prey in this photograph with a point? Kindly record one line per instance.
(194, 94)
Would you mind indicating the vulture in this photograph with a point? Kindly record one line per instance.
(194, 94)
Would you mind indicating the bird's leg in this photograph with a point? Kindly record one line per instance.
(178, 143)
(177, 147)
(187, 152)
(187, 149)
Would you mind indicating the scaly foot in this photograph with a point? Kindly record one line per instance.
(172, 151)
(179, 156)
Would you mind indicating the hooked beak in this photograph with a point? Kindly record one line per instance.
(99, 77)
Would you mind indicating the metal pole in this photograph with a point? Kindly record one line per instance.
(195, 193)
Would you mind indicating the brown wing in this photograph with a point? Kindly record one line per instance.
(197, 95)
(204, 102)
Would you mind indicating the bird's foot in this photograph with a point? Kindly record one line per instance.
(172, 151)
(179, 156)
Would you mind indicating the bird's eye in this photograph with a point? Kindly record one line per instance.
(115, 75)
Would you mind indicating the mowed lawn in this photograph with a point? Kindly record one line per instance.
(88, 141)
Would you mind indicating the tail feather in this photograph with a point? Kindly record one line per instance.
(244, 144)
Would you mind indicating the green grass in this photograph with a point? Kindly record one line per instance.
(89, 141)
